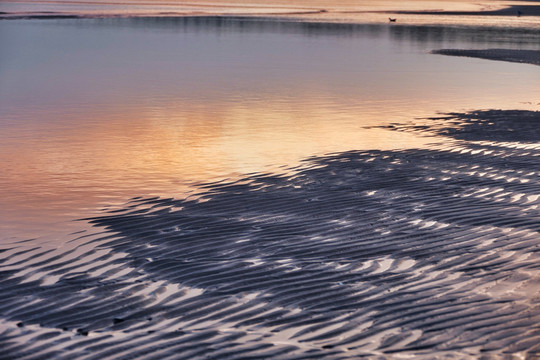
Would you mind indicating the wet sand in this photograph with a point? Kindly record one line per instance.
(315, 10)
(426, 253)
(512, 10)
(519, 56)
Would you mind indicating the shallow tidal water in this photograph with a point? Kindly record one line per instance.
(96, 111)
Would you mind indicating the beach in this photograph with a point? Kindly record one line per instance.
(240, 199)
(425, 253)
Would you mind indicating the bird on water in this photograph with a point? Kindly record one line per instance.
(392, 20)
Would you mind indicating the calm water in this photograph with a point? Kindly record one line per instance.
(94, 112)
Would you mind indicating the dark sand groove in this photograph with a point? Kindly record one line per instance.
(424, 253)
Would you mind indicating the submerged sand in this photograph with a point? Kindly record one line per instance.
(425, 253)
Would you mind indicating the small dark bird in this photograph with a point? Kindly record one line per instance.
(518, 13)
(392, 20)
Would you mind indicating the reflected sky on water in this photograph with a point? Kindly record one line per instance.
(95, 111)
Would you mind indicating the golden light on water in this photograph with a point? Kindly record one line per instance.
(162, 152)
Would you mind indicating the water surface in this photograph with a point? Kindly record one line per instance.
(96, 111)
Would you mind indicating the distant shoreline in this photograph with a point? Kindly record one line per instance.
(318, 17)
(509, 11)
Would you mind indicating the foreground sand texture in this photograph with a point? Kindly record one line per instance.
(427, 253)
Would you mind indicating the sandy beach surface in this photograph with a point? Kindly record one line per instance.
(423, 253)
(449, 12)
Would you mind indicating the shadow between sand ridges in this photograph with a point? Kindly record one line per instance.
(425, 252)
